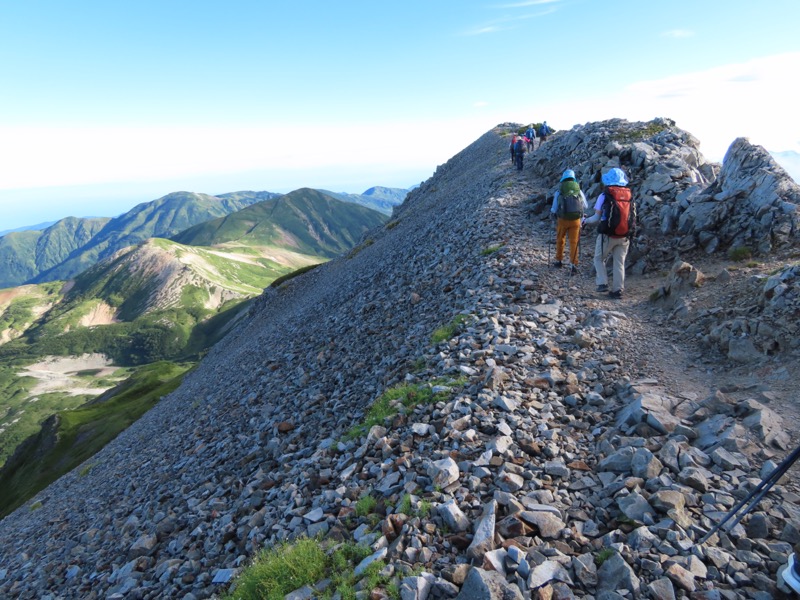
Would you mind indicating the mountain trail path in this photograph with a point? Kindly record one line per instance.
(652, 346)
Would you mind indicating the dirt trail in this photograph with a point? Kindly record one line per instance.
(652, 345)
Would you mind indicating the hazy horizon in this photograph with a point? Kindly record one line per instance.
(144, 99)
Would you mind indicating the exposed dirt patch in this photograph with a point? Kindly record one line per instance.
(281, 256)
(60, 374)
(6, 296)
(102, 314)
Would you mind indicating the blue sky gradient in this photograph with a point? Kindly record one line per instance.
(108, 104)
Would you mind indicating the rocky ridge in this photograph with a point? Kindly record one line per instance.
(544, 453)
(685, 202)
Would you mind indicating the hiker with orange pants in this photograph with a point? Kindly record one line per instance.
(569, 204)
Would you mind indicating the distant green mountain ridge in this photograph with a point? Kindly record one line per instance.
(25, 254)
(307, 221)
(36, 227)
(62, 250)
(161, 218)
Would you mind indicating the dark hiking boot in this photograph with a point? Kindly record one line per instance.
(573, 270)
(558, 264)
(602, 288)
(615, 295)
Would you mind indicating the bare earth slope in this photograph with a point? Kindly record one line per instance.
(567, 424)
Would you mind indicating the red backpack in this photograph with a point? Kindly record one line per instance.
(618, 216)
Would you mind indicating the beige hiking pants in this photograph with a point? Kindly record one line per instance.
(618, 248)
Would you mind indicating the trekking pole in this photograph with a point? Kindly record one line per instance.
(756, 495)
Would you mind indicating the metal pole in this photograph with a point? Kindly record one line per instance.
(760, 490)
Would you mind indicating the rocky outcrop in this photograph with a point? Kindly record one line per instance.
(518, 459)
(685, 202)
(748, 321)
(752, 204)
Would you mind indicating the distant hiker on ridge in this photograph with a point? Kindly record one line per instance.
(511, 147)
(544, 131)
(569, 203)
(615, 211)
(531, 135)
(519, 151)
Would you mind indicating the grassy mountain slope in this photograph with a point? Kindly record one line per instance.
(69, 437)
(155, 301)
(161, 274)
(159, 300)
(305, 220)
(25, 254)
(161, 218)
(21, 306)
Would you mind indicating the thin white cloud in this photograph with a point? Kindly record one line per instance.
(480, 104)
(484, 30)
(678, 33)
(526, 3)
(507, 23)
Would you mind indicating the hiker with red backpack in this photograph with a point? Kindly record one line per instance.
(569, 204)
(615, 213)
(511, 148)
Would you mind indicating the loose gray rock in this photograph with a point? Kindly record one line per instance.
(487, 585)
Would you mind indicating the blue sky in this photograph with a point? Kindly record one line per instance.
(104, 105)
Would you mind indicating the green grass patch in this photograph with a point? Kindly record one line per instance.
(280, 570)
(639, 134)
(490, 250)
(292, 275)
(446, 332)
(401, 397)
(288, 566)
(73, 436)
(740, 253)
(393, 224)
(603, 555)
(86, 469)
(365, 244)
(365, 505)
(404, 506)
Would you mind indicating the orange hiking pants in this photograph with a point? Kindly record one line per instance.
(572, 229)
